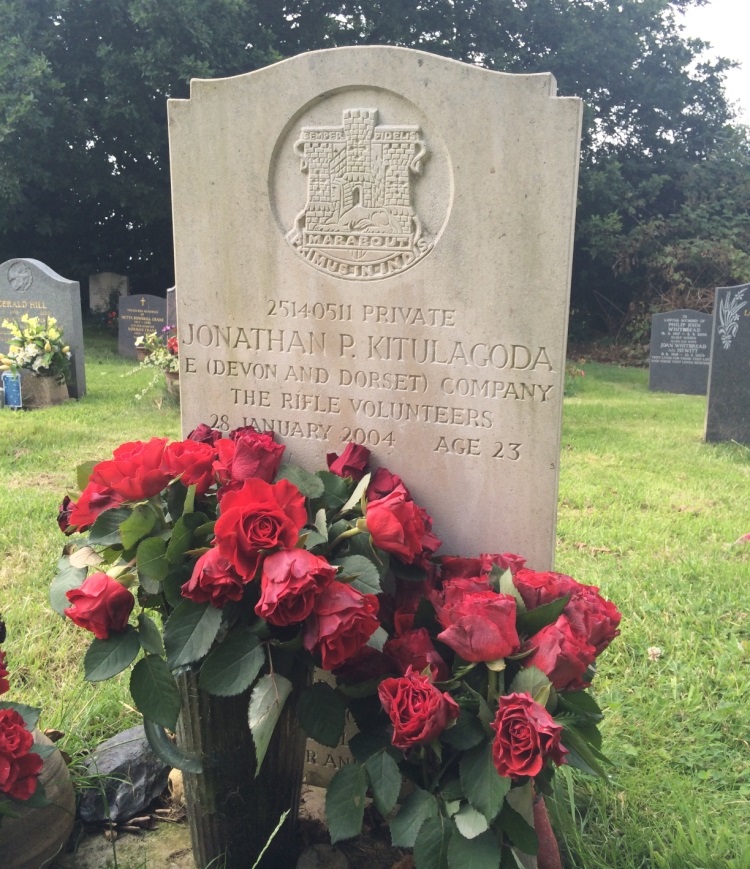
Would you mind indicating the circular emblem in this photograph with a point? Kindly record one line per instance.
(20, 276)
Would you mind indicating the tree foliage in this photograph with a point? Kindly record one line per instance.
(83, 133)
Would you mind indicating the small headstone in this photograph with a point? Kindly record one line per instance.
(105, 291)
(679, 353)
(172, 306)
(728, 411)
(139, 315)
(28, 286)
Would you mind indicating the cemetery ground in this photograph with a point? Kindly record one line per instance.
(647, 512)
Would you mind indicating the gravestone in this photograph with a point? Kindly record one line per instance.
(28, 286)
(679, 352)
(172, 307)
(138, 315)
(106, 289)
(728, 406)
(374, 245)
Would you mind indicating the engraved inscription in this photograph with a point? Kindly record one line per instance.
(20, 277)
(358, 222)
(729, 316)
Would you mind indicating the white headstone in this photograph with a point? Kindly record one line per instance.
(105, 290)
(374, 244)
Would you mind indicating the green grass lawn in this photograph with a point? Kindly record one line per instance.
(647, 512)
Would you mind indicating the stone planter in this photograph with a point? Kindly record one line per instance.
(38, 835)
(42, 391)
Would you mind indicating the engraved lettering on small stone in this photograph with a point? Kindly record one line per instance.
(359, 222)
(20, 277)
(729, 317)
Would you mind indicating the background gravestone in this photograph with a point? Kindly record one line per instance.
(374, 244)
(105, 290)
(172, 306)
(138, 315)
(28, 286)
(679, 353)
(728, 410)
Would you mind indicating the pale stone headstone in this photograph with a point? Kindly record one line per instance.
(105, 290)
(374, 244)
(28, 286)
(138, 315)
(728, 406)
(680, 352)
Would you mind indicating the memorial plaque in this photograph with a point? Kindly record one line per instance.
(728, 406)
(28, 286)
(374, 245)
(138, 315)
(105, 291)
(679, 357)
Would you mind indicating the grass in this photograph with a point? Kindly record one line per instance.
(648, 512)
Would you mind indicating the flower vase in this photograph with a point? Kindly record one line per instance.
(37, 835)
(231, 811)
(40, 391)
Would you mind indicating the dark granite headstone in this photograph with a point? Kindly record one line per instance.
(172, 306)
(728, 413)
(28, 286)
(139, 315)
(679, 358)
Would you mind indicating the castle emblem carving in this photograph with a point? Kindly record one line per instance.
(358, 222)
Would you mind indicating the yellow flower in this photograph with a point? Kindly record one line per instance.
(4, 367)
(47, 347)
(66, 349)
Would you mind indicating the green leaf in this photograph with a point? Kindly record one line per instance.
(503, 581)
(137, 525)
(189, 632)
(581, 703)
(266, 703)
(581, 754)
(182, 536)
(409, 572)
(310, 485)
(321, 711)
(385, 781)
(150, 635)
(452, 790)
(106, 529)
(521, 834)
(531, 681)
(69, 577)
(107, 658)
(336, 490)
(415, 810)
(470, 822)
(431, 847)
(176, 494)
(150, 558)
(465, 733)
(483, 852)
(356, 496)
(485, 789)
(360, 572)
(172, 584)
(168, 752)
(155, 692)
(345, 802)
(534, 620)
(83, 472)
(232, 665)
(363, 745)
(321, 524)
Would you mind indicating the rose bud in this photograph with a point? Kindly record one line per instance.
(100, 605)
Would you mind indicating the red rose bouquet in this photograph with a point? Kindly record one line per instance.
(21, 758)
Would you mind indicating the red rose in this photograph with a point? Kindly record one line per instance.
(480, 625)
(19, 766)
(4, 684)
(561, 654)
(414, 649)
(214, 581)
(63, 515)
(93, 502)
(592, 617)
(248, 454)
(454, 567)
(204, 434)
(192, 462)
(351, 463)
(101, 605)
(258, 517)
(342, 621)
(409, 595)
(399, 526)
(382, 483)
(526, 735)
(290, 581)
(538, 588)
(364, 665)
(418, 710)
(505, 561)
(135, 472)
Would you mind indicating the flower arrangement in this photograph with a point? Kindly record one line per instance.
(161, 349)
(466, 677)
(20, 758)
(37, 346)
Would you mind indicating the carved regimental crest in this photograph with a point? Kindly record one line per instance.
(729, 316)
(358, 222)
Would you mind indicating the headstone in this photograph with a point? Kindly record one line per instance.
(728, 406)
(138, 315)
(28, 286)
(105, 291)
(172, 306)
(374, 245)
(679, 353)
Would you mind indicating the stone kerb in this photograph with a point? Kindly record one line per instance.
(374, 245)
(28, 286)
